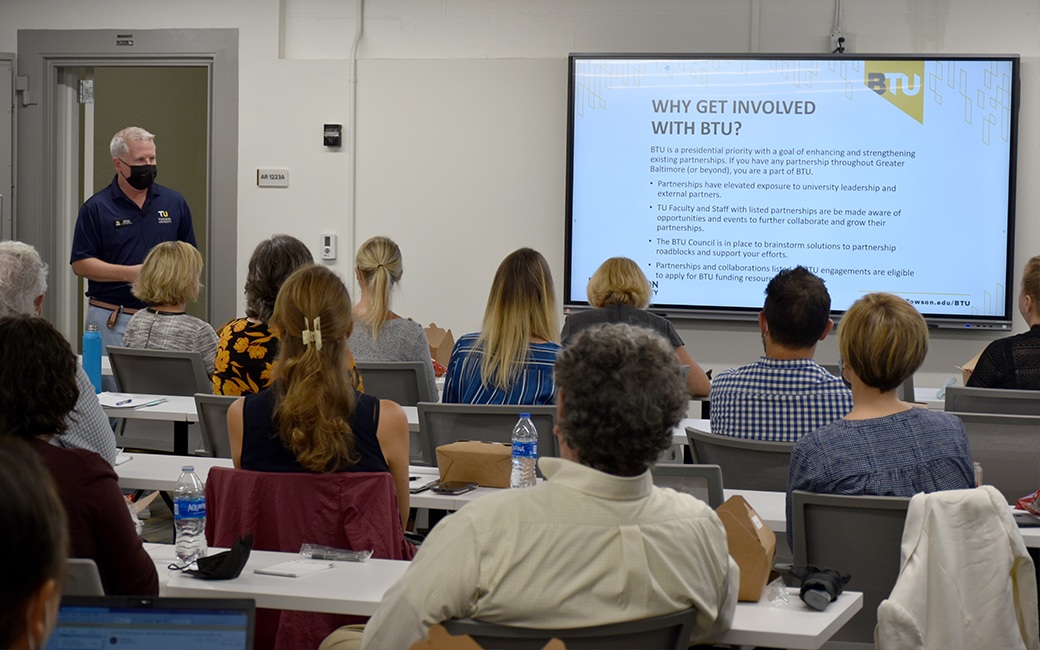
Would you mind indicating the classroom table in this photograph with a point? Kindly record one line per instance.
(357, 587)
(177, 409)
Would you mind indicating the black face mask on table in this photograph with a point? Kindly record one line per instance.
(141, 176)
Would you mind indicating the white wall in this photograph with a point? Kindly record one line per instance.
(456, 211)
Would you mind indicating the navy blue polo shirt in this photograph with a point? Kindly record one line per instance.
(111, 228)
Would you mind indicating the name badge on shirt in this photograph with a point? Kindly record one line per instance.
(123, 222)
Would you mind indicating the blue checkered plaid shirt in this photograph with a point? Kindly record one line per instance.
(897, 455)
(776, 399)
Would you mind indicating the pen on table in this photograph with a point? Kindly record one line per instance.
(126, 401)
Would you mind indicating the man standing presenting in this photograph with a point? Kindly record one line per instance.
(119, 225)
(785, 394)
(595, 543)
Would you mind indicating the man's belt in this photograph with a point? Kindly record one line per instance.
(115, 309)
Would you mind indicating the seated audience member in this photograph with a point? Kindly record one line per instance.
(23, 282)
(1014, 362)
(382, 335)
(169, 280)
(785, 394)
(310, 419)
(37, 389)
(248, 348)
(34, 542)
(883, 446)
(620, 293)
(510, 361)
(560, 554)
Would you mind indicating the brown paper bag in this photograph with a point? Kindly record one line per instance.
(486, 463)
(751, 543)
(441, 344)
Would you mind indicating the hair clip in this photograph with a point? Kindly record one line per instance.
(312, 336)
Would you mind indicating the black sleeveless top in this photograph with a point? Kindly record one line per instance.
(264, 451)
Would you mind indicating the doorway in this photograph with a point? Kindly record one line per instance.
(52, 132)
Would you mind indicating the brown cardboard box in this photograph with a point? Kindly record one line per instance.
(441, 344)
(487, 463)
(751, 543)
(969, 367)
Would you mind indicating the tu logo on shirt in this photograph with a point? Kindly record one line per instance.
(164, 216)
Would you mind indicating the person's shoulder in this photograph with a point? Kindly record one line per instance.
(77, 464)
(733, 374)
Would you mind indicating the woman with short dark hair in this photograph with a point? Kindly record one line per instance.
(37, 389)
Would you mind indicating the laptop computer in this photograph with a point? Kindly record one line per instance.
(135, 623)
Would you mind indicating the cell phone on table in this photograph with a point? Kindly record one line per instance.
(454, 487)
(422, 484)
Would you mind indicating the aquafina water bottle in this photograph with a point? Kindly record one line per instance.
(525, 453)
(189, 516)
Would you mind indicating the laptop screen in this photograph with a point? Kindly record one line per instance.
(129, 623)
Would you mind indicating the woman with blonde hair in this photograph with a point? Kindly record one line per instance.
(311, 419)
(620, 293)
(169, 280)
(1014, 362)
(884, 446)
(510, 361)
(381, 334)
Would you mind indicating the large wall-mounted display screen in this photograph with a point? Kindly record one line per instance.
(881, 173)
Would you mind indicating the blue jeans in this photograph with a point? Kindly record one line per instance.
(114, 336)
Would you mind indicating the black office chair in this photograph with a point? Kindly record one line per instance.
(212, 410)
(857, 535)
(159, 372)
(746, 464)
(701, 481)
(403, 382)
(667, 632)
(992, 400)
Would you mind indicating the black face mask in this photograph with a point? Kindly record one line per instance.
(141, 176)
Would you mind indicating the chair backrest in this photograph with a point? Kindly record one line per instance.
(667, 632)
(401, 381)
(212, 410)
(442, 424)
(1008, 448)
(701, 481)
(746, 464)
(992, 400)
(857, 535)
(349, 510)
(82, 578)
(159, 372)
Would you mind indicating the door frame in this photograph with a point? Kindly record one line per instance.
(44, 177)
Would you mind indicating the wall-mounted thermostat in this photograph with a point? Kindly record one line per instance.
(328, 247)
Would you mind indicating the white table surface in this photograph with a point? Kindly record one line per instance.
(357, 587)
(176, 408)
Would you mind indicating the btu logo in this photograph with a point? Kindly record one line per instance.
(893, 82)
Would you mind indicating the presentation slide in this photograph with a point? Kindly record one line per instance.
(877, 175)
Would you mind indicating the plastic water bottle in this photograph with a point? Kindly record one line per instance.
(525, 453)
(189, 516)
(92, 355)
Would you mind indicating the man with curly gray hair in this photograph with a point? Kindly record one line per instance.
(23, 281)
(596, 542)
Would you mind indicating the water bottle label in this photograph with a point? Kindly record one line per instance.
(189, 509)
(525, 449)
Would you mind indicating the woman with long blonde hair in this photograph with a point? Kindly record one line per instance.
(510, 361)
(382, 335)
(311, 419)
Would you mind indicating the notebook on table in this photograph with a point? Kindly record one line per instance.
(135, 623)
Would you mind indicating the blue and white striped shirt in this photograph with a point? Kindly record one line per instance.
(776, 399)
(534, 384)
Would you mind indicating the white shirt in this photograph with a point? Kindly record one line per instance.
(583, 548)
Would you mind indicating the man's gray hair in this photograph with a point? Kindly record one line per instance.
(119, 146)
(23, 278)
(620, 394)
